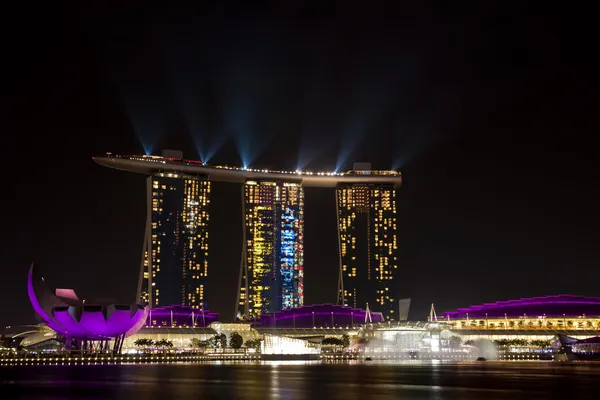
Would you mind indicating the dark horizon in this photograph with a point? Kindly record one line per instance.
(488, 112)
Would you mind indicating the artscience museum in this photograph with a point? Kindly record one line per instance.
(85, 326)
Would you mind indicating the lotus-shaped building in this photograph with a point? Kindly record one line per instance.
(80, 322)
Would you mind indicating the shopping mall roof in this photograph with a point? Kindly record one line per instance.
(567, 305)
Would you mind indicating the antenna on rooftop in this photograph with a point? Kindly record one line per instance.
(368, 315)
(432, 314)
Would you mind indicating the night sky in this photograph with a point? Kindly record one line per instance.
(488, 112)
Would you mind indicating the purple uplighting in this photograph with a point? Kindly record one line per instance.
(318, 315)
(81, 321)
(549, 306)
(183, 316)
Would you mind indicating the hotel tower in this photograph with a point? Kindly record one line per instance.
(272, 267)
(174, 268)
(367, 234)
(175, 256)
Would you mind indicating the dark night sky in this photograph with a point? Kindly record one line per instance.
(487, 111)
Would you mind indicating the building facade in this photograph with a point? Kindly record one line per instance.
(563, 313)
(272, 267)
(367, 233)
(175, 257)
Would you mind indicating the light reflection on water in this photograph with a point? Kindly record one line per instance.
(305, 380)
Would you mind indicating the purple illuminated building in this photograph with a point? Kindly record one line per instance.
(84, 326)
(549, 306)
(319, 315)
(180, 316)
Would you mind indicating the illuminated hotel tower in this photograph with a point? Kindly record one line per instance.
(177, 241)
(272, 268)
(367, 233)
(174, 264)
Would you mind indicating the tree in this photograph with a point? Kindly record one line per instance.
(331, 341)
(543, 344)
(219, 341)
(345, 340)
(235, 340)
(164, 343)
(145, 343)
(222, 340)
(198, 344)
(253, 344)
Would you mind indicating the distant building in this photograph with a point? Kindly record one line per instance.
(367, 229)
(175, 262)
(272, 268)
(563, 313)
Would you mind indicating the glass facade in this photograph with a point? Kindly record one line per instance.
(175, 263)
(367, 229)
(272, 272)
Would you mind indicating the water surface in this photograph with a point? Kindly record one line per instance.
(311, 381)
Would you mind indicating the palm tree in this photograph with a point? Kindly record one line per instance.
(145, 343)
(164, 343)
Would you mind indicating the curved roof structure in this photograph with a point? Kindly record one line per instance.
(327, 315)
(72, 318)
(151, 164)
(181, 316)
(550, 306)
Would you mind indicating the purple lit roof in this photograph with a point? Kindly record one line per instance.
(549, 306)
(177, 315)
(80, 320)
(324, 315)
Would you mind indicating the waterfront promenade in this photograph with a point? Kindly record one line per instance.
(108, 359)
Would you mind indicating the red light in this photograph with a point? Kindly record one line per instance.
(194, 162)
